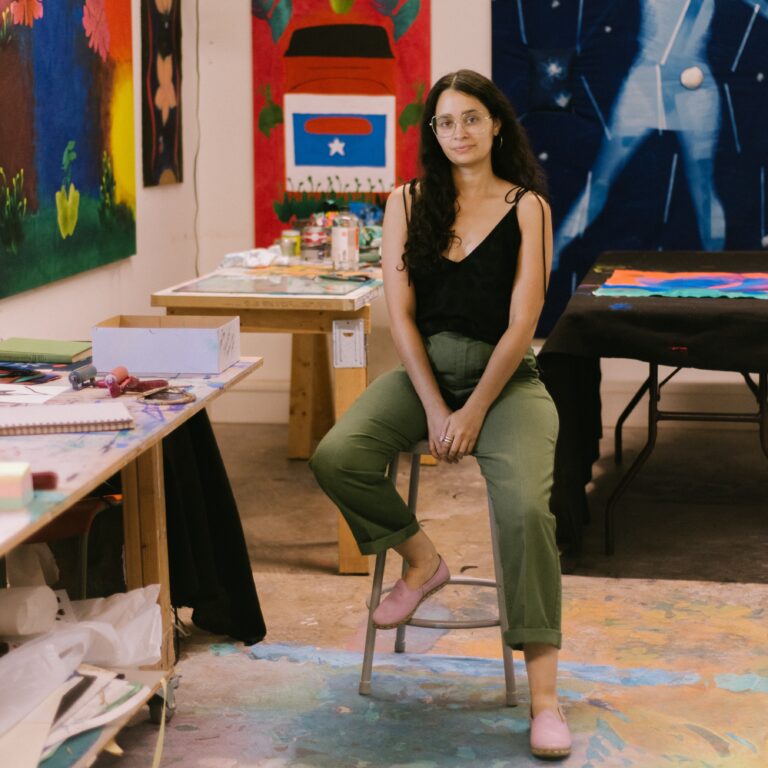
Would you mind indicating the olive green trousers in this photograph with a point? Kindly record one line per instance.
(515, 451)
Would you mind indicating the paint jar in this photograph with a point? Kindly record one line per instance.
(345, 241)
(314, 242)
(290, 243)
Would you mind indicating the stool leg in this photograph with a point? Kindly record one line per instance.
(413, 497)
(506, 651)
(370, 635)
(400, 631)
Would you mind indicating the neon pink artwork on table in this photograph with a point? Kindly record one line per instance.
(716, 285)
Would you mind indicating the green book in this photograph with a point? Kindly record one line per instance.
(17, 350)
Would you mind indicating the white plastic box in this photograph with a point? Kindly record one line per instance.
(166, 344)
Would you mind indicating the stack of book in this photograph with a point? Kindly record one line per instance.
(20, 350)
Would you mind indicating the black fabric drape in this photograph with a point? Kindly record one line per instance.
(574, 384)
(208, 558)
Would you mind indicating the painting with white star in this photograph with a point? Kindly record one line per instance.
(349, 137)
(338, 94)
(649, 119)
(161, 92)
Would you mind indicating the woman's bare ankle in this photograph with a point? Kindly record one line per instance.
(540, 703)
(420, 572)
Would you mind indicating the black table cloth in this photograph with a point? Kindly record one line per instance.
(708, 333)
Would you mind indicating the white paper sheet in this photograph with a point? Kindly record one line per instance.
(29, 393)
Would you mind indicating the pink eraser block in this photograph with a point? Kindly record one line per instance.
(15, 484)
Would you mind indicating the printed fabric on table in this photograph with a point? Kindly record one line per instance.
(698, 285)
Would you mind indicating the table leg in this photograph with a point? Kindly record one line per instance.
(348, 384)
(311, 408)
(146, 544)
(653, 404)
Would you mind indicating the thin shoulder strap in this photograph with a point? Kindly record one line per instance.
(408, 189)
(518, 195)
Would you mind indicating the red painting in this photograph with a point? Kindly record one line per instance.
(338, 93)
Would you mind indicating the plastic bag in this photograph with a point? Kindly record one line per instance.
(123, 630)
(126, 627)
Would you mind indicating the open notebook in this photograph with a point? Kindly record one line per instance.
(101, 416)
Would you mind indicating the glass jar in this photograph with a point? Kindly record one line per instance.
(345, 241)
(290, 243)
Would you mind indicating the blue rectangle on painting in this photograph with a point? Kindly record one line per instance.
(317, 142)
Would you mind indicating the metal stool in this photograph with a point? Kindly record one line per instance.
(377, 590)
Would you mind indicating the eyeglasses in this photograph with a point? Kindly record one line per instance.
(444, 126)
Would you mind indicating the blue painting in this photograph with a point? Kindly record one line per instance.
(649, 119)
(67, 172)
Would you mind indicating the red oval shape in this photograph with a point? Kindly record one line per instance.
(337, 124)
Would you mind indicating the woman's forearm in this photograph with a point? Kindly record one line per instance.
(413, 354)
(502, 364)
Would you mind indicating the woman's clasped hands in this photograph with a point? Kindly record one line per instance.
(454, 435)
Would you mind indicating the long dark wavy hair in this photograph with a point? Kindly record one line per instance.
(433, 202)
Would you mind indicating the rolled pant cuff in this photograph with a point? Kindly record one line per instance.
(516, 638)
(389, 541)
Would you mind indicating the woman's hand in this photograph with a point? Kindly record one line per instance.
(459, 433)
(437, 416)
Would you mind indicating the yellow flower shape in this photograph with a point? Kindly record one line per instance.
(67, 206)
(165, 98)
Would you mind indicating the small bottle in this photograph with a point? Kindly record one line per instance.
(290, 243)
(345, 241)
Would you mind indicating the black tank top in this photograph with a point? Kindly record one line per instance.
(472, 296)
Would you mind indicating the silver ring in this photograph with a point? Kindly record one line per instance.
(446, 439)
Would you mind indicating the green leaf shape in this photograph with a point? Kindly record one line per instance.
(271, 114)
(278, 18)
(411, 114)
(403, 19)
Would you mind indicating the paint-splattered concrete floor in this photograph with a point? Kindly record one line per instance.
(665, 656)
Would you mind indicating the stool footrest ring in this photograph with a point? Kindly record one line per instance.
(454, 623)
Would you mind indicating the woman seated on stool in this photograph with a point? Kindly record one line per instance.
(466, 255)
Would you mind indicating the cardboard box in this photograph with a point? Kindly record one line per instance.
(166, 344)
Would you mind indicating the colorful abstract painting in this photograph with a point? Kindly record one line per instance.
(67, 176)
(699, 285)
(338, 93)
(649, 118)
(161, 150)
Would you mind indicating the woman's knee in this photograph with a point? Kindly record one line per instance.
(340, 455)
(324, 462)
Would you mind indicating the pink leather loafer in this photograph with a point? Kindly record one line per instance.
(401, 603)
(550, 736)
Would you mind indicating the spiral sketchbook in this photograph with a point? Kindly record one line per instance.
(102, 416)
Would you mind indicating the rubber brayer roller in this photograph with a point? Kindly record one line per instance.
(83, 377)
